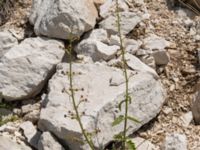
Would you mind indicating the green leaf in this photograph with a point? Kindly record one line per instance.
(120, 104)
(119, 137)
(130, 145)
(133, 119)
(118, 120)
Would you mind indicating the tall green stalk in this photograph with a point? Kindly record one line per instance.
(125, 75)
(75, 106)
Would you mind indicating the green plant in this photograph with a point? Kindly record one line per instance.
(122, 137)
(77, 116)
(9, 119)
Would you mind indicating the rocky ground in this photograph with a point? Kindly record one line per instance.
(165, 39)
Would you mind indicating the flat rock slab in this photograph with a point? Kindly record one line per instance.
(8, 144)
(103, 87)
(60, 18)
(25, 68)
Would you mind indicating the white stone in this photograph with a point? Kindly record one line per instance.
(134, 64)
(175, 141)
(8, 128)
(143, 144)
(31, 133)
(167, 110)
(25, 68)
(48, 142)
(143, 52)
(148, 60)
(30, 107)
(8, 144)
(96, 50)
(186, 119)
(132, 46)
(7, 41)
(114, 40)
(32, 116)
(94, 82)
(99, 35)
(128, 22)
(109, 7)
(154, 42)
(60, 18)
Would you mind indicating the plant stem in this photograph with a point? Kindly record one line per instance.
(90, 143)
(125, 75)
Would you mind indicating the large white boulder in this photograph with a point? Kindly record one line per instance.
(25, 68)
(60, 18)
(103, 87)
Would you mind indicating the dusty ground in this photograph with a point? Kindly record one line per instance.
(179, 77)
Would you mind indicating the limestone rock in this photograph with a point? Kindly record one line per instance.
(148, 60)
(94, 83)
(109, 7)
(8, 144)
(134, 64)
(186, 119)
(99, 35)
(48, 142)
(31, 133)
(7, 41)
(175, 141)
(60, 18)
(128, 22)
(25, 68)
(154, 42)
(132, 46)
(96, 50)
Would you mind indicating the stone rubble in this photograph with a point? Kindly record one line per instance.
(27, 65)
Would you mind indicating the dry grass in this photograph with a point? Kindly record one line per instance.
(6, 7)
